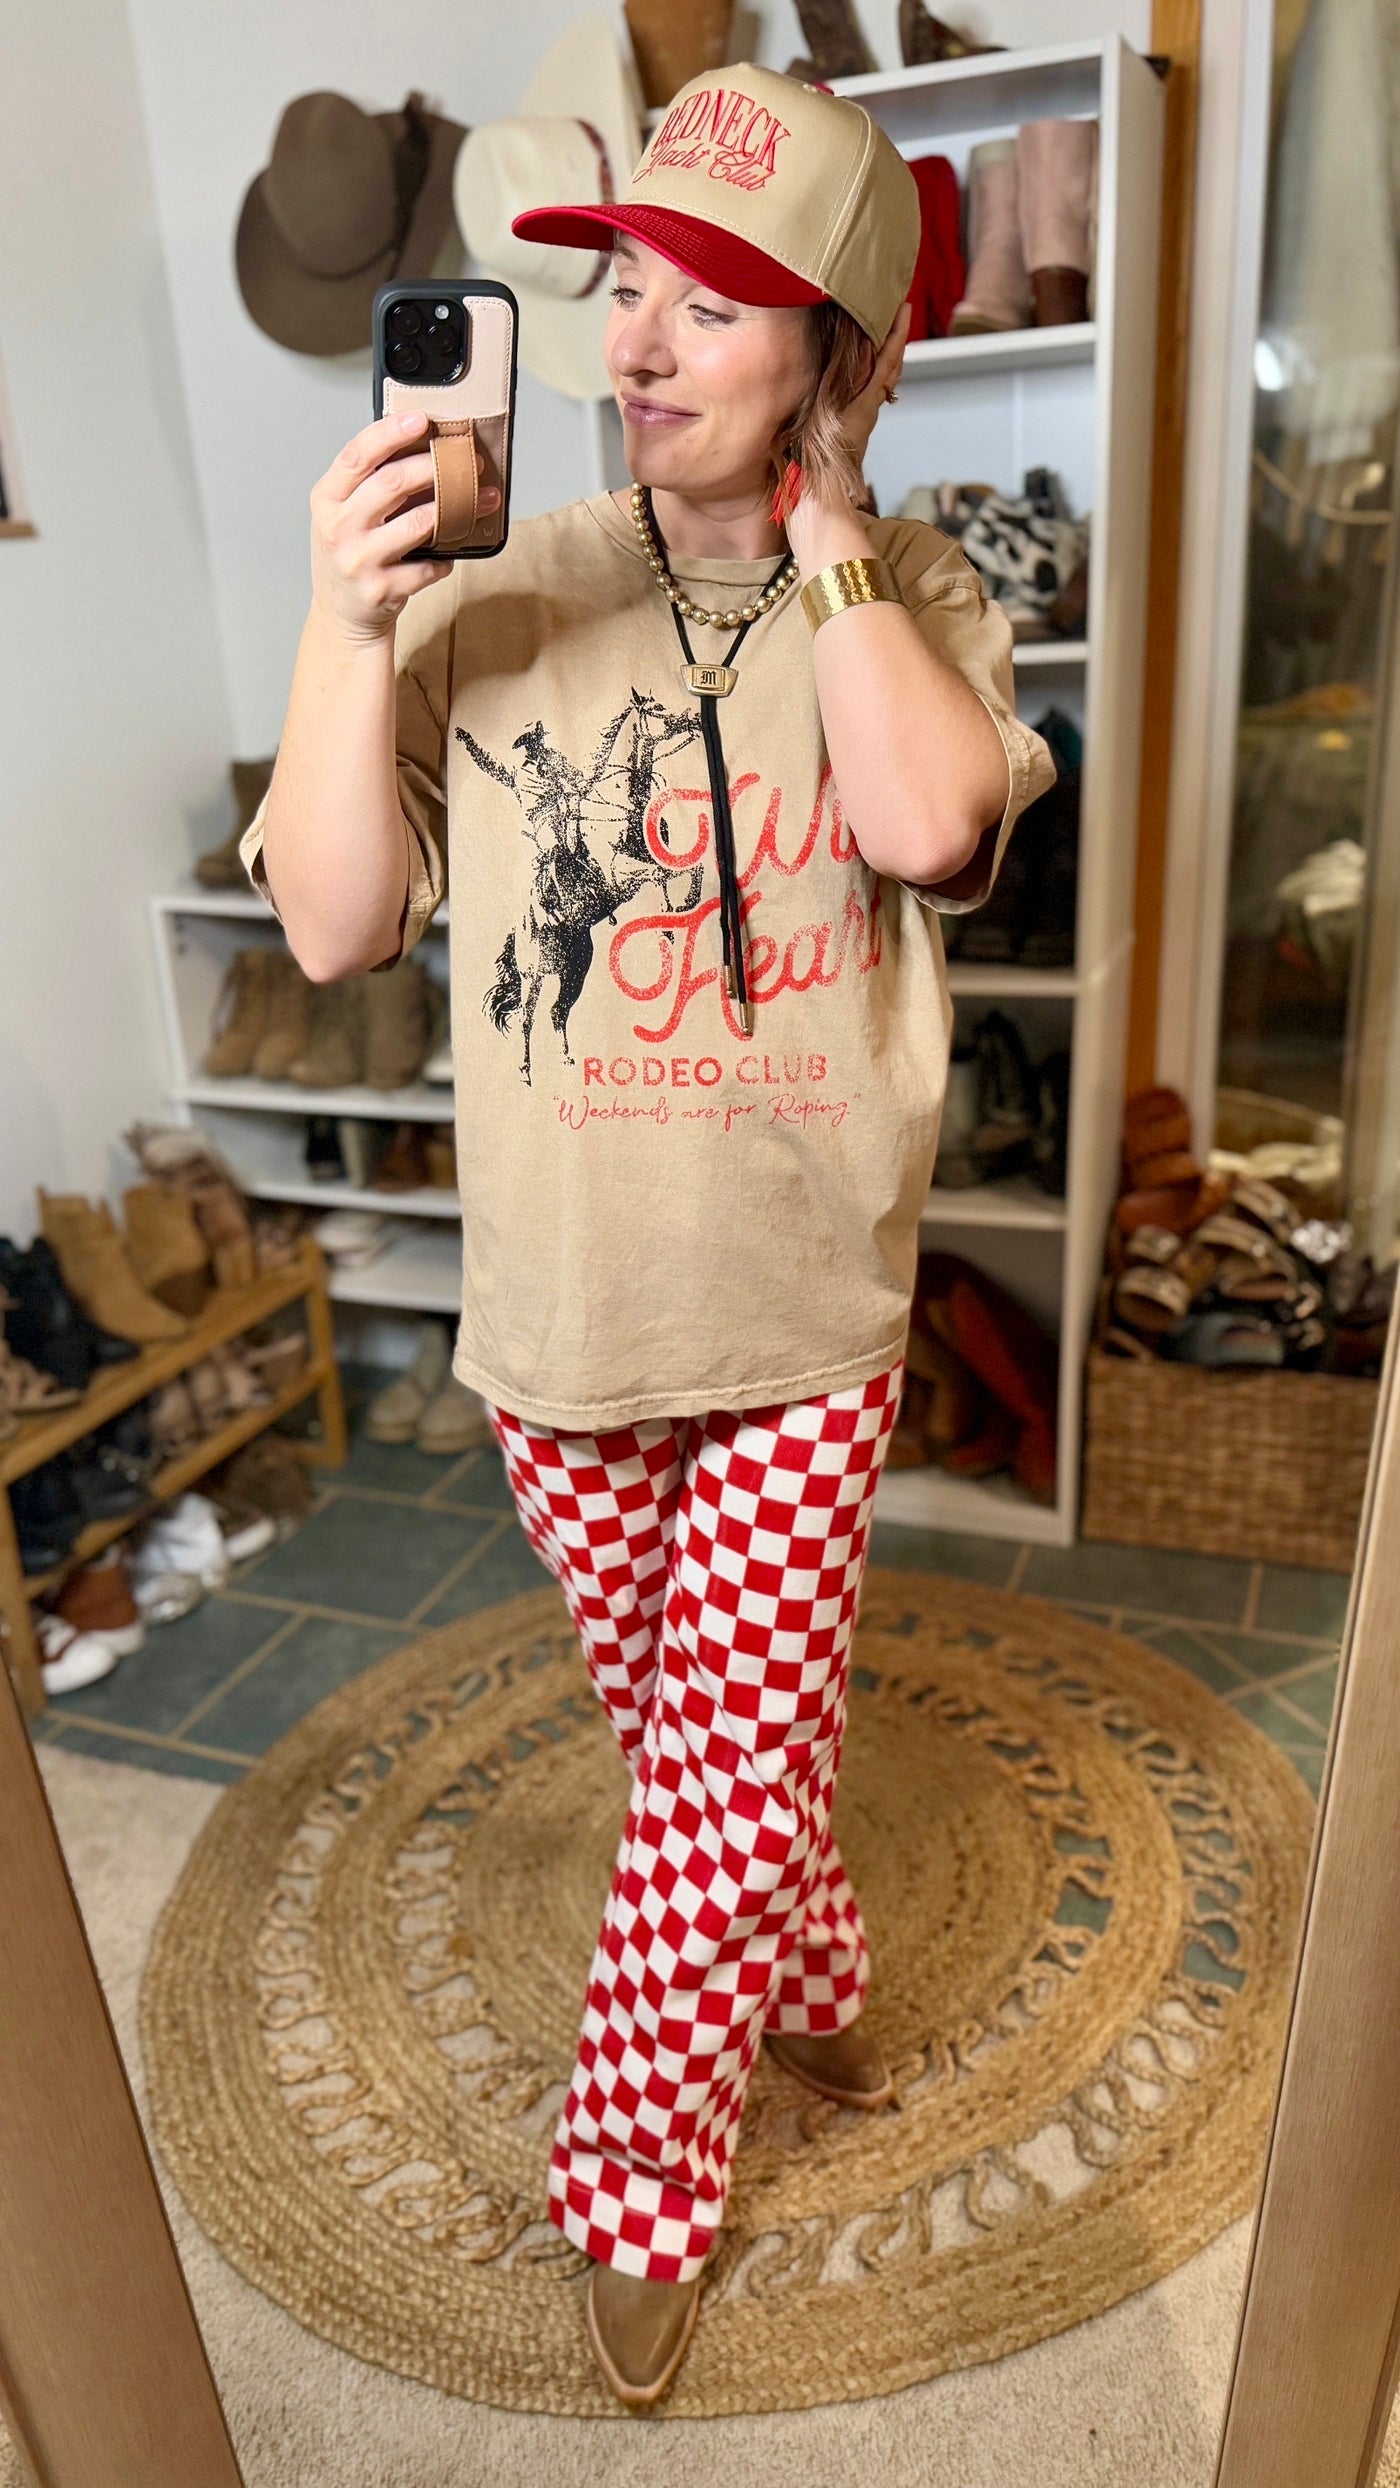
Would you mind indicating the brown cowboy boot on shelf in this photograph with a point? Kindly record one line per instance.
(398, 1024)
(334, 1056)
(845, 2065)
(165, 1248)
(834, 40)
(221, 868)
(673, 44)
(404, 1165)
(287, 1031)
(240, 1017)
(1057, 166)
(924, 37)
(96, 1271)
(639, 2331)
(998, 292)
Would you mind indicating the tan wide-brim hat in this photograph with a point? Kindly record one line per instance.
(578, 134)
(349, 200)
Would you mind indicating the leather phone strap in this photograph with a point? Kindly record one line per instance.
(455, 484)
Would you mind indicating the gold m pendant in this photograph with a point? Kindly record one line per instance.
(717, 680)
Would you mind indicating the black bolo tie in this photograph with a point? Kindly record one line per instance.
(711, 684)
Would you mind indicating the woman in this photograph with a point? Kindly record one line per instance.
(698, 836)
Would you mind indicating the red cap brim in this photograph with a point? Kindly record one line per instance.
(706, 252)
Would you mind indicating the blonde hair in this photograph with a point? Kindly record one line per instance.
(843, 358)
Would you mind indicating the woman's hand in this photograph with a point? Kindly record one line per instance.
(372, 508)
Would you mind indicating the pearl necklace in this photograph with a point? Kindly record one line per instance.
(727, 621)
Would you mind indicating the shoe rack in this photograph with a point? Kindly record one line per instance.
(986, 408)
(229, 1312)
(260, 1125)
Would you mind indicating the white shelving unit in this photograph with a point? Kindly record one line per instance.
(970, 408)
(985, 409)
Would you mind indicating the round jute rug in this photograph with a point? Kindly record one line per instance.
(1081, 1874)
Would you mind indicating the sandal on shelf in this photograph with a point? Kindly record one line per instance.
(1267, 1277)
(173, 1422)
(1151, 1300)
(1223, 1339)
(1159, 1245)
(1119, 1342)
(25, 1391)
(1266, 1207)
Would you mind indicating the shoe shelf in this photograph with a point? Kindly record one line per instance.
(998, 350)
(420, 1271)
(1014, 1202)
(1081, 401)
(1050, 656)
(428, 1101)
(229, 1312)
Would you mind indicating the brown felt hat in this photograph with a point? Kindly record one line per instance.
(349, 200)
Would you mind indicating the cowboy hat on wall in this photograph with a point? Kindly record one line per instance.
(348, 200)
(577, 135)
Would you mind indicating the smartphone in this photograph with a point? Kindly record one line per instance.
(447, 350)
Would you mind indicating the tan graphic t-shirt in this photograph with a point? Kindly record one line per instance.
(662, 1215)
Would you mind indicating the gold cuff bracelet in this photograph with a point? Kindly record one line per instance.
(869, 581)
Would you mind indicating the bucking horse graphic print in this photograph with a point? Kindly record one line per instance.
(592, 854)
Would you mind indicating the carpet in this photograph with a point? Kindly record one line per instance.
(1081, 1873)
(1132, 2399)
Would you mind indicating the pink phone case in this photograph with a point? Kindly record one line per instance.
(469, 416)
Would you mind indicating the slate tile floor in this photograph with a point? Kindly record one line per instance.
(400, 1541)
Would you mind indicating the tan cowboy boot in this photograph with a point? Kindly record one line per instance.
(287, 1032)
(639, 2331)
(96, 1271)
(335, 1047)
(998, 294)
(240, 1022)
(397, 1024)
(845, 2065)
(1057, 162)
(165, 1248)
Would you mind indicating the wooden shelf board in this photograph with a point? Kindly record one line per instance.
(426, 1102)
(992, 1507)
(1015, 1203)
(229, 1312)
(178, 1475)
(1010, 349)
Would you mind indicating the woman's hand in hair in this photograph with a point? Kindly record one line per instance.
(370, 510)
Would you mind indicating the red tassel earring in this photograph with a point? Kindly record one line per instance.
(786, 494)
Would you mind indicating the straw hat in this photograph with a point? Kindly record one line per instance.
(577, 135)
(348, 200)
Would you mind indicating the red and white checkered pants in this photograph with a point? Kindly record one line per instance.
(712, 1567)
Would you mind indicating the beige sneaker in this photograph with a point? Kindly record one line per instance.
(845, 2065)
(639, 2331)
(454, 1420)
(397, 1413)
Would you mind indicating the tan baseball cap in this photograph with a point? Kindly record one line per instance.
(769, 192)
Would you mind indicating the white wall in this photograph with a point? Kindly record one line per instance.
(113, 724)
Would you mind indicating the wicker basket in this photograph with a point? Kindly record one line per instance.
(1266, 1465)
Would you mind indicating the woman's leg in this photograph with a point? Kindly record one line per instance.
(600, 1511)
(726, 1852)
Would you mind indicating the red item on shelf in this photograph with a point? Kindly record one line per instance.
(939, 275)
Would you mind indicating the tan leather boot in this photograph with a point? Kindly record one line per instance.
(288, 1030)
(335, 1050)
(1057, 165)
(845, 2065)
(96, 1271)
(639, 2331)
(240, 1022)
(397, 1024)
(672, 45)
(998, 293)
(165, 1248)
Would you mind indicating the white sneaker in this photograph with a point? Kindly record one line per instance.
(243, 1538)
(70, 1660)
(185, 1537)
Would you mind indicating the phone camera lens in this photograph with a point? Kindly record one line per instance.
(405, 320)
(405, 358)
